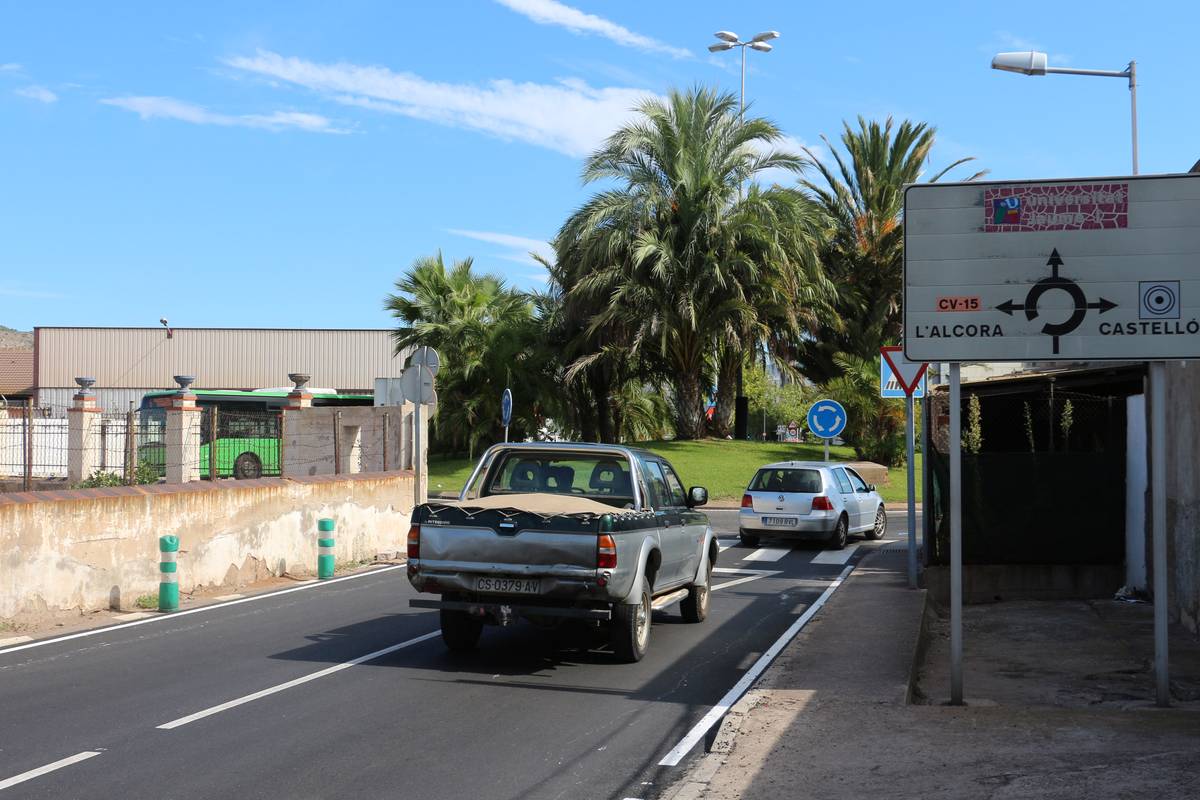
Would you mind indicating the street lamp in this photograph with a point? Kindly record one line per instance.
(1033, 63)
(727, 40)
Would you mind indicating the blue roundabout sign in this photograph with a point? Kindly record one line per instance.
(826, 418)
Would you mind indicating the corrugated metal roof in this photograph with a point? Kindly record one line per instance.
(16, 371)
(219, 358)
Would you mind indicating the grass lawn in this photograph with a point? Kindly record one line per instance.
(724, 467)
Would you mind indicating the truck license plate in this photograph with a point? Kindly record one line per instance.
(488, 583)
(780, 520)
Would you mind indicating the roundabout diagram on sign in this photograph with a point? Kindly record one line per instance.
(1052, 283)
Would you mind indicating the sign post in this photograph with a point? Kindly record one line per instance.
(827, 419)
(506, 409)
(417, 384)
(910, 377)
(1051, 271)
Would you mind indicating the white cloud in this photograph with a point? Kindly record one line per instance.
(569, 116)
(552, 12)
(170, 108)
(39, 93)
(10, 67)
(794, 146)
(519, 247)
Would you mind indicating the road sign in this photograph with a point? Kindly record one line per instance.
(899, 377)
(417, 383)
(506, 408)
(826, 418)
(1064, 270)
(426, 356)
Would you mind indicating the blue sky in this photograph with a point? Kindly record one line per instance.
(228, 164)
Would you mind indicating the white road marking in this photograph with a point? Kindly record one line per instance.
(714, 715)
(34, 773)
(744, 571)
(760, 574)
(133, 615)
(834, 556)
(768, 554)
(15, 640)
(217, 709)
(201, 610)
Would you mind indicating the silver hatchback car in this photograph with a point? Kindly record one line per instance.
(815, 500)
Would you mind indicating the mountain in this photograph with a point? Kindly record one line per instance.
(15, 340)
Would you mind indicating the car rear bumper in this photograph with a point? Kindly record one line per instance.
(502, 610)
(811, 526)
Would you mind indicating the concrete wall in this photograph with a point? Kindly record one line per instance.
(98, 548)
(1183, 491)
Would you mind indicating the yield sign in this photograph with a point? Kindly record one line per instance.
(908, 373)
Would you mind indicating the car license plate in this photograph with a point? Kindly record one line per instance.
(488, 583)
(780, 520)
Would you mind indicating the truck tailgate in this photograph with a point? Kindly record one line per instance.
(482, 548)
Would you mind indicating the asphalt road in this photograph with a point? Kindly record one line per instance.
(288, 696)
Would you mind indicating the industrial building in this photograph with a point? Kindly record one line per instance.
(128, 362)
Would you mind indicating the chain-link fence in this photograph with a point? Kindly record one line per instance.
(239, 444)
(1043, 478)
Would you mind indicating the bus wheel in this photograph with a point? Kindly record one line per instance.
(247, 466)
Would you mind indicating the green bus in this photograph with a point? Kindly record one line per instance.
(239, 430)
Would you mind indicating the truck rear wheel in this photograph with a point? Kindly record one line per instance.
(695, 605)
(631, 628)
(460, 631)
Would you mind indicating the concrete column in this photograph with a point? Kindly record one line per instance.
(183, 435)
(83, 430)
(299, 397)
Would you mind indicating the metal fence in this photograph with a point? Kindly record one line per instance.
(33, 445)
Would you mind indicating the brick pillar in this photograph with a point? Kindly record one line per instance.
(83, 430)
(183, 435)
(299, 397)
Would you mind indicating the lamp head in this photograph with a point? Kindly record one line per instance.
(1026, 63)
(761, 47)
(719, 46)
(726, 36)
(766, 36)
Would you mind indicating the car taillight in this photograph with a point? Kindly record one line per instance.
(606, 552)
(414, 541)
(747, 501)
(821, 503)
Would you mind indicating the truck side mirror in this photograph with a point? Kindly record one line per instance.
(697, 496)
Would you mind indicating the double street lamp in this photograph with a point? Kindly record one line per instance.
(728, 41)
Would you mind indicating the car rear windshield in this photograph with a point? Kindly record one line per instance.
(597, 476)
(806, 481)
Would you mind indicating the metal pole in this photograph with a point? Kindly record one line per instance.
(385, 441)
(1133, 112)
(826, 449)
(1158, 513)
(742, 101)
(912, 493)
(337, 443)
(212, 443)
(416, 454)
(27, 447)
(956, 644)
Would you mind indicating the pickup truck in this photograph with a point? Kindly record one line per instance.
(551, 532)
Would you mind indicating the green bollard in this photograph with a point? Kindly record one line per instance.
(324, 548)
(168, 576)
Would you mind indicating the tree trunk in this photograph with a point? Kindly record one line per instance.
(727, 376)
(689, 409)
(603, 406)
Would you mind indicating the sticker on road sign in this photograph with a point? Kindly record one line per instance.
(1033, 271)
(898, 376)
(826, 418)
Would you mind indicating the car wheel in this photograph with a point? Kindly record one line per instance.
(748, 539)
(880, 528)
(837, 540)
(460, 631)
(247, 467)
(695, 605)
(631, 628)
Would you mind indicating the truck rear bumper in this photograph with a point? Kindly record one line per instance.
(502, 610)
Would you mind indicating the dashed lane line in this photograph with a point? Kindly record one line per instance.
(834, 556)
(270, 690)
(37, 773)
(768, 554)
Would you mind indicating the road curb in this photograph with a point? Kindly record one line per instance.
(700, 775)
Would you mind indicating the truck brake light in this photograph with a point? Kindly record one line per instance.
(606, 552)
(821, 503)
(747, 501)
(414, 541)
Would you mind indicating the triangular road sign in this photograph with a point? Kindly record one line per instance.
(908, 373)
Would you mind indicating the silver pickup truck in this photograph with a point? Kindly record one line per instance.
(552, 532)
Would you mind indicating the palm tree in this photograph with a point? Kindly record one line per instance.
(672, 256)
(862, 193)
(484, 332)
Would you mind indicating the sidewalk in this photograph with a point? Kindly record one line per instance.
(834, 717)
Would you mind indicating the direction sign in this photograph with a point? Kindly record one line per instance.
(426, 356)
(1063, 270)
(506, 408)
(899, 377)
(417, 383)
(826, 418)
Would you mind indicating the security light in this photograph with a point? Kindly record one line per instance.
(726, 36)
(1026, 63)
(766, 36)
